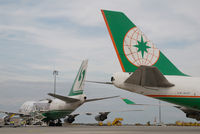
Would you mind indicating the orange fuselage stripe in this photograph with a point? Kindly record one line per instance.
(178, 96)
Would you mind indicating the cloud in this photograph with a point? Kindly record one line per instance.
(75, 30)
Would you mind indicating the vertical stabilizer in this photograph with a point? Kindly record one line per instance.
(78, 85)
(132, 46)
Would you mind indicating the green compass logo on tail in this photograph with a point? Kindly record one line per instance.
(138, 49)
(142, 46)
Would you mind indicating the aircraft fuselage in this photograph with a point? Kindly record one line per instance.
(185, 92)
(51, 109)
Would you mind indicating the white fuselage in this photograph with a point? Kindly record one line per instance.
(185, 92)
(58, 104)
(183, 85)
(49, 105)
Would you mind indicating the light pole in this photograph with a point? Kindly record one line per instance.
(55, 73)
(160, 113)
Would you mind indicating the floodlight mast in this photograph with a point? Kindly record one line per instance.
(160, 121)
(55, 73)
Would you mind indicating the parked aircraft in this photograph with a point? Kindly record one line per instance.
(52, 110)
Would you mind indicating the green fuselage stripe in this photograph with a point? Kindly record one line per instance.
(56, 114)
(183, 101)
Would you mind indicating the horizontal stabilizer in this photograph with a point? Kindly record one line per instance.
(96, 99)
(99, 82)
(64, 98)
(148, 76)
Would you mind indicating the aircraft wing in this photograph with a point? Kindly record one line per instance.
(148, 76)
(64, 98)
(129, 102)
(127, 110)
(107, 112)
(99, 116)
(96, 99)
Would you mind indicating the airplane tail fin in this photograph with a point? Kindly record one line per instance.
(77, 87)
(133, 48)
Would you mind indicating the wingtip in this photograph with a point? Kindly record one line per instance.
(127, 101)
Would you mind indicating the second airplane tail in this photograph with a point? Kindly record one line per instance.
(78, 85)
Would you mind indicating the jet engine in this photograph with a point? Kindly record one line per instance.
(190, 113)
(102, 116)
(193, 115)
(70, 118)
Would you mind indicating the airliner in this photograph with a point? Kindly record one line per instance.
(146, 70)
(52, 111)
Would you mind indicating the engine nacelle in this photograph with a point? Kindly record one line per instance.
(194, 115)
(102, 116)
(190, 113)
(70, 118)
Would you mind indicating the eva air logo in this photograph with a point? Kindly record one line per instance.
(81, 77)
(138, 49)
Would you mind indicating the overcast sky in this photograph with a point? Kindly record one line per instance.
(38, 36)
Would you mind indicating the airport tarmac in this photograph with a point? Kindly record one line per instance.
(101, 130)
